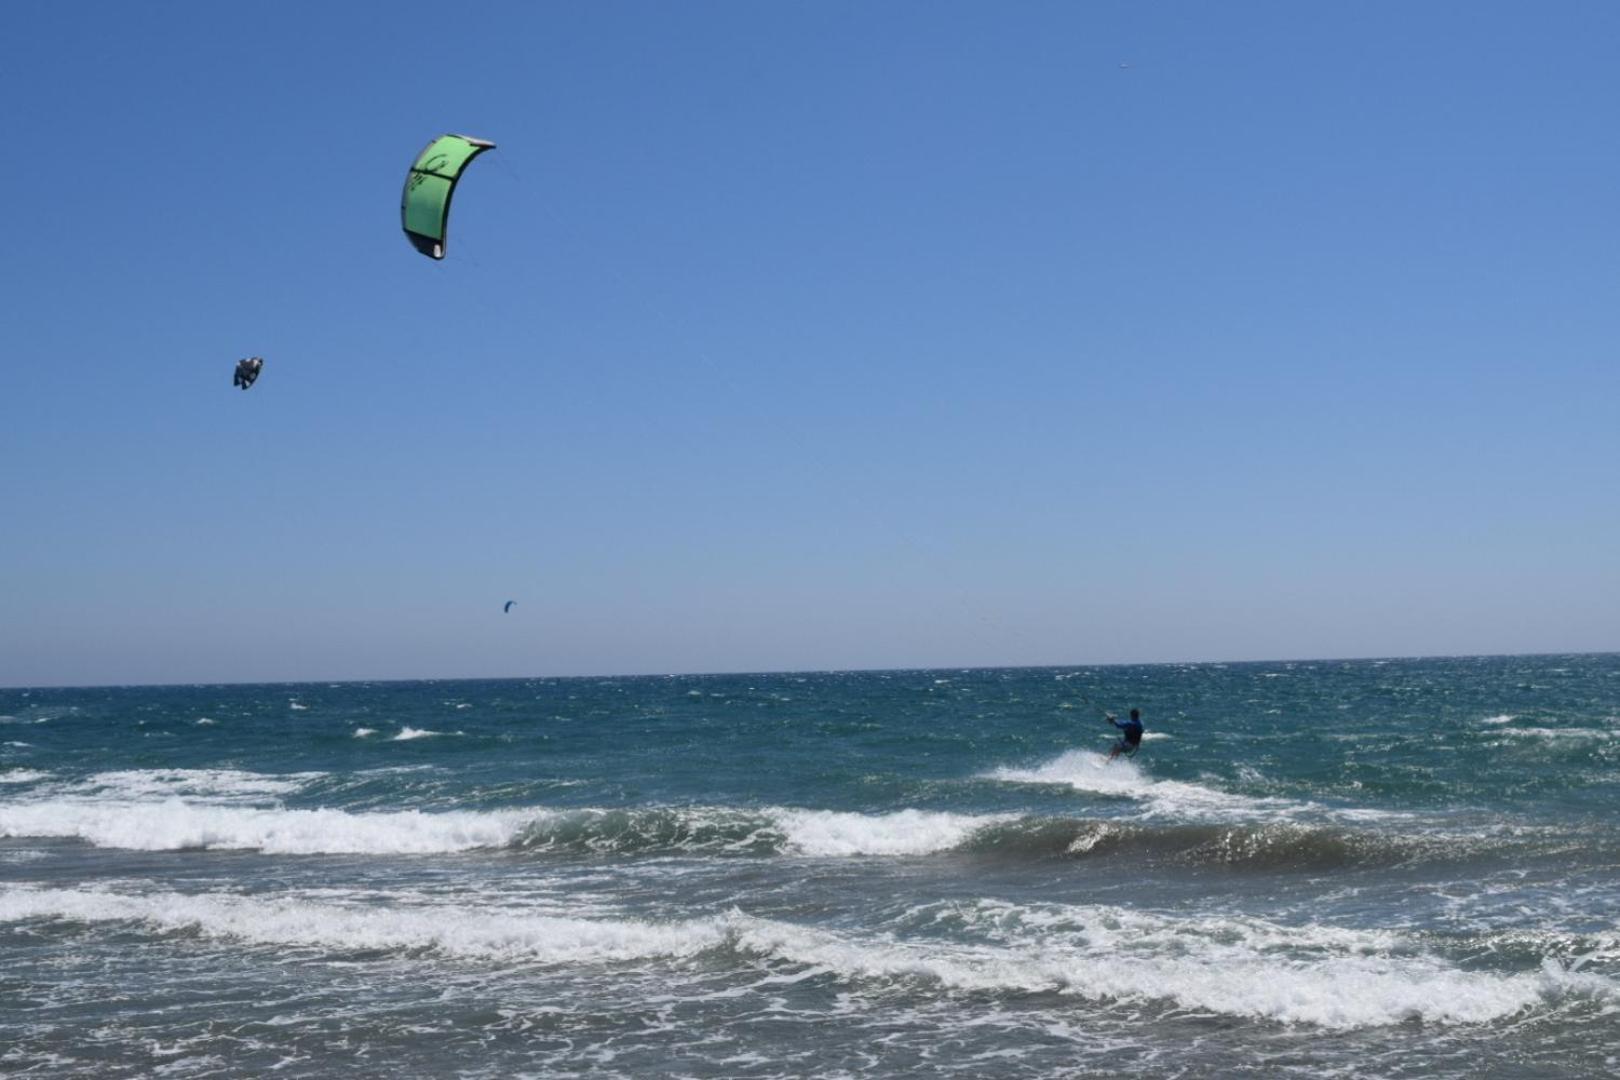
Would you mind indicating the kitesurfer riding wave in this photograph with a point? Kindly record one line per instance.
(1130, 734)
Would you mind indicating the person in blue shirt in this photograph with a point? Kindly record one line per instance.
(1130, 734)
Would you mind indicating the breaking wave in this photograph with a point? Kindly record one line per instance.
(1225, 965)
(1096, 774)
(176, 825)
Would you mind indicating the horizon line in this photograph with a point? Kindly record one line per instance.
(807, 671)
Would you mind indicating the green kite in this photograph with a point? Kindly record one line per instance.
(424, 209)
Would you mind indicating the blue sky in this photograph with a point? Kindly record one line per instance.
(802, 336)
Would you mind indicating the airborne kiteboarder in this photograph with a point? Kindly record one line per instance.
(247, 371)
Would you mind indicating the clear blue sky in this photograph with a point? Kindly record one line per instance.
(801, 336)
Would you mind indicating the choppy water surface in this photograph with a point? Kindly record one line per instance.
(1372, 868)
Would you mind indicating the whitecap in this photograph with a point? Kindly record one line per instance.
(22, 776)
(214, 784)
(1317, 975)
(1232, 966)
(468, 932)
(185, 826)
(407, 733)
(905, 832)
(1560, 733)
(1094, 773)
(175, 825)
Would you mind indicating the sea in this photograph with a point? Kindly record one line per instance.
(1368, 868)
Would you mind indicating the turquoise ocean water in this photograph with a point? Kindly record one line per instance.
(1394, 868)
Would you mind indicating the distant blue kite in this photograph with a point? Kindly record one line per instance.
(508, 606)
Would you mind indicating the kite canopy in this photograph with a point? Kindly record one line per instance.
(508, 606)
(424, 209)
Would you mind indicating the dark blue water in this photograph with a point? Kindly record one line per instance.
(1370, 868)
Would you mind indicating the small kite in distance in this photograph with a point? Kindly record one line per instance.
(508, 606)
(247, 371)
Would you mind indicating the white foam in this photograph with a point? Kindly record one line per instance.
(407, 733)
(214, 784)
(1504, 718)
(1091, 772)
(176, 824)
(22, 776)
(181, 826)
(1560, 733)
(204, 721)
(23, 855)
(295, 705)
(1314, 975)
(362, 732)
(906, 832)
(476, 933)
(1226, 966)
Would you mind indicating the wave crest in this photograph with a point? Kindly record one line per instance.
(720, 831)
(1223, 965)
